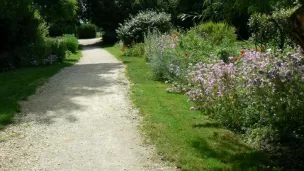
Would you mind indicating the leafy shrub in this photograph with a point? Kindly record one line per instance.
(57, 11)
(85, 31)
(135, 50)
(34, 54)
(170, 55)
(216, 33)
(48, 51)
(137, 26)
(21, 27)
(151, 40)
(160, 50)
(71, 42)
(264, 27)
(58, 47)
(217, 39)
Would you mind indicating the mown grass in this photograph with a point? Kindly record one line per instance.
(18, 84)
(187, 138)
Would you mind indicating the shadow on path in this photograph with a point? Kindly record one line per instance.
(71, 90)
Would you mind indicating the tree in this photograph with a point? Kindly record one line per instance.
(175, 8)
(107, 14)
(61, 15)
(20, 25)
(237, 12)
(57, 10)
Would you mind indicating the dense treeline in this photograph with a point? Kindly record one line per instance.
(62, 16)
(108, 14)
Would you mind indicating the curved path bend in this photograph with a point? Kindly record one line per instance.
(80, 120)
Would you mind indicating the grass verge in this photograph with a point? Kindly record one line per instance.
(18, 84)
(187, 138)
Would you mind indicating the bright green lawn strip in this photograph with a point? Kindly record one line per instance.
(187, 138)
(18, 84)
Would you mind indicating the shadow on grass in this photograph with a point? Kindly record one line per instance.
(106, 45)
(238, 156)
(208, 125)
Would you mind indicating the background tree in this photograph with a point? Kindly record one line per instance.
(107, 14)
(61, 15)
(175, 8)
(238, 12)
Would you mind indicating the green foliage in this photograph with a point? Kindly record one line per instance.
(60, 15)
(210, 38)
(237, 12)
(136, 50)
(224, 8)
(58, 47)
(36, 51)
(50, 49)
(216, 33)
(21, 28)
(157, 52)
(86, 31)
(137, 26)
(150, 42)
(61, 45)
(57, 10)
(71, 42)
(170, 55)
(264, 27)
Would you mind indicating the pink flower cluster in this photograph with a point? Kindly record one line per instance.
(269, 71)
(211, 81)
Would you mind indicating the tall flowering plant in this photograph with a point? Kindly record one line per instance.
(160, 50)
(211, 81)
(255, 92)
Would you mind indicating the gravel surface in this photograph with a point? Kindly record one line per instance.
(81, 119)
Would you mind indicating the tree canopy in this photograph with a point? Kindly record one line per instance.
(57, 10)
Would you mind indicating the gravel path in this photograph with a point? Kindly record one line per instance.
(81, 119)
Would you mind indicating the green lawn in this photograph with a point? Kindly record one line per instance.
(186, 138)
(18, 84)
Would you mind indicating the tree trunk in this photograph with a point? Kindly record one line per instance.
(297, 26)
